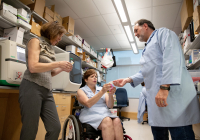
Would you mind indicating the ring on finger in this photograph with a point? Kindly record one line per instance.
(162, 102)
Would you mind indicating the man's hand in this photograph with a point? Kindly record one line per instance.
(121, 82)
(161, 98)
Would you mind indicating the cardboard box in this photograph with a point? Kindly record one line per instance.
(85, 45)
(49, 12)
(186, 13)
(57, 18)
(9, 8)
(9, 16)
(35, 29)
(22, 12)
(38, 7)
(47, 17)
(15, 34)
(27, 2)
(196, 3)
(196, 19)
(68, 23)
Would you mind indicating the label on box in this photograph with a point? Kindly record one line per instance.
(18, 75)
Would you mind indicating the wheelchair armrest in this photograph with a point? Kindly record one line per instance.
(78, 107)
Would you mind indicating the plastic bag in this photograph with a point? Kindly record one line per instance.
(107, 60)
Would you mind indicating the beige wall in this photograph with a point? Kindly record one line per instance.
(133, 106)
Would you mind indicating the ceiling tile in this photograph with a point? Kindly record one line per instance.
(121, 28)
(177, 30)
(83, 8)
(143, 14)
(97, 25)
(164, 2)
(95, 43)
(105, 6)
(115, 29)
(121, 37)
(112, 19)
(109, 41)
(82, 30)
(124, 44)
(62, 8)
(163, 17)
(137, 4)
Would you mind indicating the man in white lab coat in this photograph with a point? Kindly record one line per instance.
(171, 96)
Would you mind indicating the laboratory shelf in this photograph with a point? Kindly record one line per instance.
(4, 23)
(17, 4)
(84, 65)
(194, 66)
(68, 41)
(195, 44)
(29, 35)
(38, 18)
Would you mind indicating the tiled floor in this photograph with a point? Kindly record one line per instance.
(138, 131)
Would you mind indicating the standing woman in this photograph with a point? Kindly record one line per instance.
(35, 97)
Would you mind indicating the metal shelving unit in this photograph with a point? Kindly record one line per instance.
(38, 18)
(195, 44)
(194, 66)
(84, 65)
(17, 4)
(4, 23)
(67, 41)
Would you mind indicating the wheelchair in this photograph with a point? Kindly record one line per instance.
(73, 129)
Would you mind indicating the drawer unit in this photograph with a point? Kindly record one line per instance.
(62, 98)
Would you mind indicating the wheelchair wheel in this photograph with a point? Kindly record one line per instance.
(71, 129)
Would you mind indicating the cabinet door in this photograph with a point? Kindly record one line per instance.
(41, 131)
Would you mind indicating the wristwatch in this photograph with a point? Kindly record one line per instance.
(165, 88)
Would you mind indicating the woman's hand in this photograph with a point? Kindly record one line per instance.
(106, 87)
(65, 66)
(112, 91)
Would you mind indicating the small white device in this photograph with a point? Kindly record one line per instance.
(65, 81)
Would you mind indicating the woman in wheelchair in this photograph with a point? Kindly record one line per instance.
(96, 102)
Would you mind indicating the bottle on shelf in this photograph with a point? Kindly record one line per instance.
(115, 100)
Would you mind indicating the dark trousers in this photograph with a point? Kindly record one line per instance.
(35, 102)
(177, 133)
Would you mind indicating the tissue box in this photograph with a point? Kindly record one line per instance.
(9, 8)
(9, 16)
(113, 111)
(15, 34)
(22, 12)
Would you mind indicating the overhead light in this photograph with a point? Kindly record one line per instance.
(120, 9)
(135, 50)
(122, 12)
(128, 31)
